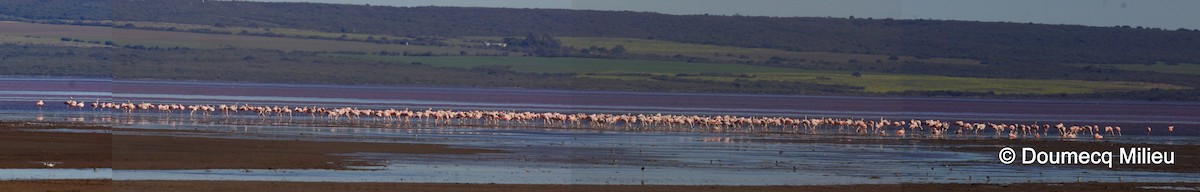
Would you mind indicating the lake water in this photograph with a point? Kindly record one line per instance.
(549, 155)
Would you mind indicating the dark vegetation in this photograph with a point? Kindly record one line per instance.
(308, 67)
(1007, 50)
(242, 65)
(987, 41)
(536, 44)
(55, 61)
(56, 9)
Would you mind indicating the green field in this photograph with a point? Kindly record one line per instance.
(883, 83)
(236, 30)
(37, 40)
(210, 41)
(1186, 68)
(598, 68)
(167, 39)
(578, 65)
(907, 82)
(667, 48)
(872, 82)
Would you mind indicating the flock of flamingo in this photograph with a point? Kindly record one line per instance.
(655, 122)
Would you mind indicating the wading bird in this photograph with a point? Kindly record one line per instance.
(930, 128)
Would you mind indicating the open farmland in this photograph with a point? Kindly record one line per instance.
(254, 30)
(168, 39)
(37, 40)
(1186, 68)
(636, 46)
(883, 83)
(723, 53)
(872, 82)
(828, 68)
(576, 65)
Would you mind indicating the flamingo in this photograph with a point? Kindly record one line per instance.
(647, 122)
(70, 103)
(41, 104)
(50, 164)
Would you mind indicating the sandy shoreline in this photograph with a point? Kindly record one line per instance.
(25, 149)
(165, 152)
(263, 186)
(75, 185)
(98, 185)
(267, 186)
(1187, 157)
(20, 148)
(126, 152)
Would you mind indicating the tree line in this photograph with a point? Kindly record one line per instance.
(995, 42)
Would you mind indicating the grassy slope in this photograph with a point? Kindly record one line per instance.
(167, 39)
(602, 68)
(621, 69)
(578, 65)
(644, 46)
(716, 52)
(637, 46)
(1191, 69)
(897, 83)
(235, 30)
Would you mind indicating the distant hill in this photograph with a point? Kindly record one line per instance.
(665, 52)
(987, 41)
(56, 9)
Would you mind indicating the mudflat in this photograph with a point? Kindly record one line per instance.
(265, 186)
(167, 152)
(20, 147)
(74, 185)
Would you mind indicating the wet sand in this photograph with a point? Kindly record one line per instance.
(166, 152)
(267, 186)
(20, 148)
(24, 149)
(137, 186)
(1187, 157)
(88, 185)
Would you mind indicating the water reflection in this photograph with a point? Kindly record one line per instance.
(27, 174)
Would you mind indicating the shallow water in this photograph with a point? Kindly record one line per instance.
(590, 157)
(55, 173)
(67, 130)
(571, 156)
(556, 155)
(21, 92)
